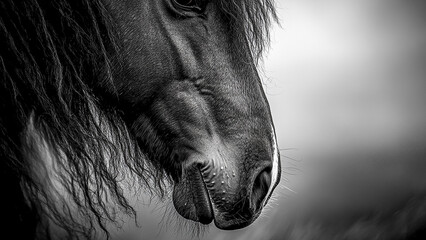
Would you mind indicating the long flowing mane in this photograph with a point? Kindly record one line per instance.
(53, 52)
(54, 57)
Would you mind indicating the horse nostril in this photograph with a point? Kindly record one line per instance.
(261, 187)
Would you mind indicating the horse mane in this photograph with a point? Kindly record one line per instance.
(251, 21)
(46, 80)
(55, 60)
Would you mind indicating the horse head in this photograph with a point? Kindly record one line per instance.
(190, 93)
(94, 91)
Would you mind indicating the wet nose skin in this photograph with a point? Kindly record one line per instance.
(248, 207)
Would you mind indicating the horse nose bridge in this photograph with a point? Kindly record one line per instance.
(239, 88)
(239, 107)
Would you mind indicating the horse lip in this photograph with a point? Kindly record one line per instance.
(230, 225)
(191, 197)
(201, 198)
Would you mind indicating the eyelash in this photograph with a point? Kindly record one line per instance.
(191, 5)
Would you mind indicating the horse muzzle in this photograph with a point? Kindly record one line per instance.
(217, 185)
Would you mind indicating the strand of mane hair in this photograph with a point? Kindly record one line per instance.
(47, 99)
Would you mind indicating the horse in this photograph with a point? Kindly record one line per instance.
(100, 96)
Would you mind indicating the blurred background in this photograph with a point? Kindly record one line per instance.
(345, 80)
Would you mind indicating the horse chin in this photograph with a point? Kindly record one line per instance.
(191, 197)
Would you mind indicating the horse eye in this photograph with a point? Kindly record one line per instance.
(190, 5)
(186, 2)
